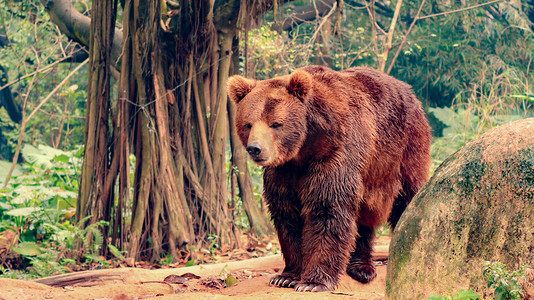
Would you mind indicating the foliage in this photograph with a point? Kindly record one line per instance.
(38, 206)
(32, 59)
(472, 117)
(471, 69)
(461, 295)
(449, 57)
(43, 193)
(269, 54)
(383, 230)
(505, 282)
(9, 132)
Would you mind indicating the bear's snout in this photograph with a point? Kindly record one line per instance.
(254, 149)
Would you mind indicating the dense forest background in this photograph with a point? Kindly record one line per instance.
(116, 136)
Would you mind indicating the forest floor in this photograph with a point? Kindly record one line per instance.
(247, 279)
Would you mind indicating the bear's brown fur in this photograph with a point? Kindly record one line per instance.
(343, 153)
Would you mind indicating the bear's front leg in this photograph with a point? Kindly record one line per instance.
(328, 235)
(289, 229)
(285, 209)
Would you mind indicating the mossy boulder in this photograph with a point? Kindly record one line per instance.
(478, 206)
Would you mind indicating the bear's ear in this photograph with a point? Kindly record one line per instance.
(300, 84)
(238, 87)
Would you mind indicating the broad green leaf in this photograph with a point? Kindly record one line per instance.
(27, 249)
(41, 156)
(54, 191)
(72, 88)
(61, 158)
(436, 297)
(27, 189)
(22, 198)
(466, 295)
(22, 212)
(25, 193)
(5, 206)
(445, 114)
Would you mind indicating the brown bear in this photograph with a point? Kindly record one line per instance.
(343, 152)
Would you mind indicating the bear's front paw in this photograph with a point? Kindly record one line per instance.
(283, 281)
(312, 287)
(361, 271)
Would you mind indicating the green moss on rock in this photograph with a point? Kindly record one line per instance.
(477, 207)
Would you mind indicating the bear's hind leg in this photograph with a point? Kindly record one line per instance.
(327, 238)
(361, 266)
(401, 202)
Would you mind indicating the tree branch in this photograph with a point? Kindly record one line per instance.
(405, 38)
(307, 13)
(391, 31)
(54, 91)
(77, 26)
(459, 10)
(322, 7)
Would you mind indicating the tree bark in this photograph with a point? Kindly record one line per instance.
(172, 112)
(95, 197)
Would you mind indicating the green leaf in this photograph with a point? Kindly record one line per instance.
(5, 206)
(61, 158)
(500, 293)
(52, 192)
(436, 297)
(525, 97)
(466, 295)
(72, 88)
(190, 263)
(22, 212)
(25, 193)
(231, 280)
(41, 156)
(445, 115)
(27, 249)
(115, 251)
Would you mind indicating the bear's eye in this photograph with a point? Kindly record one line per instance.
(248, 126)
(276, 125)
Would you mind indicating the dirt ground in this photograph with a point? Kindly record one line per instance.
(197, 282)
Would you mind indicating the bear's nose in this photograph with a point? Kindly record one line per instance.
(254, 149)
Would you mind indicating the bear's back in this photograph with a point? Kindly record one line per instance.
(362, 81)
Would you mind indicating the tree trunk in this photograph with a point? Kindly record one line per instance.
(172, 113)
(96, 187)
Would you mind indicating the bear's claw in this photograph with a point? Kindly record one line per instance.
(311, 287)
(283, 281)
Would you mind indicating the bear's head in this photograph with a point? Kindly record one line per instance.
(271, 115)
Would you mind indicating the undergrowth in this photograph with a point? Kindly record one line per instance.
(36, 213)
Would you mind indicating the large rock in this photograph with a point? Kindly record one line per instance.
(478, 206)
